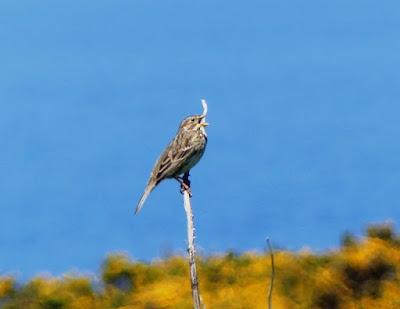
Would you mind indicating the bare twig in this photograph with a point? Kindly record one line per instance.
(191, 250)
(271, 285)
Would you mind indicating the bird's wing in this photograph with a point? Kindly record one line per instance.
(171, 160)
(167, 165)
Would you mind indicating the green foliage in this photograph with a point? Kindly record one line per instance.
(362, 273)
(367, 279)
(348, 240)
(383, 231)
(119, 272)
(326, 300)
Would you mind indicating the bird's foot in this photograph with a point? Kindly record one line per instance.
(186, 187)
(185, 184)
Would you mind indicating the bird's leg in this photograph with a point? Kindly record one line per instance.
(185, 183)
(180, 180)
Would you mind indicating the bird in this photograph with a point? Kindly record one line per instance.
(183, 152)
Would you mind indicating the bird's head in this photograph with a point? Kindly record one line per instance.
(193, 123)
(196, 122)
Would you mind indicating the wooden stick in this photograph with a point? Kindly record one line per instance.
(191, 250)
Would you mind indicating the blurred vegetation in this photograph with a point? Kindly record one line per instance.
(362, 273)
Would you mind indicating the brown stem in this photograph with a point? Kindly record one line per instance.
(271, 285)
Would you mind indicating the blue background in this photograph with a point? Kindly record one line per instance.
(303, 142)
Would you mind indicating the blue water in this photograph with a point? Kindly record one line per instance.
(303, 142)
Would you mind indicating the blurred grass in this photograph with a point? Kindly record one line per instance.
(362, 273)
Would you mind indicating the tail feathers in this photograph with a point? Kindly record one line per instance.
(150, 186)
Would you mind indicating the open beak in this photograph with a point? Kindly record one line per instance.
(204, 124)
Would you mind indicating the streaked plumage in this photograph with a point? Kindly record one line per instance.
(184, 151)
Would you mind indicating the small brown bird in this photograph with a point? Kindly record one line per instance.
(184, 151)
